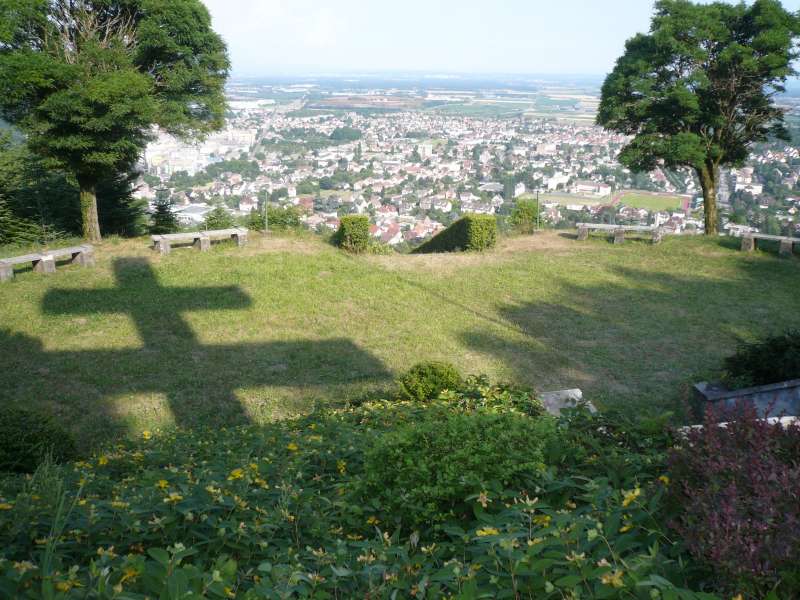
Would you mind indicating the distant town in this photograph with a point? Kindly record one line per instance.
(416, 158)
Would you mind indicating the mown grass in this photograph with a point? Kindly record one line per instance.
(288, 323)
(651, 201)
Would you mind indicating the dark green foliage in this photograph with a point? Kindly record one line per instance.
(771, 360)
(219, 218)
(353, 234)
(427, 470)
(279, 218)
(471, 232)
(524, 216)
(345, 134)
(43, 201)
(86, 80)
(425, 381)
(698, 90)
(26, 438)
(164, 220)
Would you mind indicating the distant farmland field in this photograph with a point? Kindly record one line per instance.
(651, 201)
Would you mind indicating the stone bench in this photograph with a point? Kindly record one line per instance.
(619, 231)
(199, 239)
(45, 262)
(749, 241)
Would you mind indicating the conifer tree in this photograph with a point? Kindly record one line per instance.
(164, 219)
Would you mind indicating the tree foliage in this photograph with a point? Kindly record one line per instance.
(699, 89)
(86, 80)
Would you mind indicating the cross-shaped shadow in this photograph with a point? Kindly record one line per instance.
(199, 379)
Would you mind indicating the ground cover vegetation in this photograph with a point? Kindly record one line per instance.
(398, 498)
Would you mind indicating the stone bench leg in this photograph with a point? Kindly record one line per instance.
(657, 235)
(583, 234)
(786, 248)
(84, 258)
(240, 239)
(748, 243)
(203, 243)
(619, 236)
(6, 272)
(46, 265)
(163, 246)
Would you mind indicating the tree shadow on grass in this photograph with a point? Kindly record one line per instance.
(198, 380)
(641, 338)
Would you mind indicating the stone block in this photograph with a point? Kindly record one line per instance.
(203, 243)
(786, 247)
(46, 264)
(240, 238)
(658, 235)
(555, 402)
(6, 272)
(583, 233)
(163, 246)
(619, 236)
(748, 243)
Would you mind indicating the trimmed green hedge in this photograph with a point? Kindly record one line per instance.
(471, 232)
(353, 233)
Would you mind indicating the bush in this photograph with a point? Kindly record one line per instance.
(524, 216)
(280, 219)
(353, 233)
(425, 381)
(771, 360)
(219, 218)
(424, 472)
(163, 220)
(26, 438)
(471, 232)
(738, 491)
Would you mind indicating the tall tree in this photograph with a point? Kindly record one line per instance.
(86, 80)
(699, 89)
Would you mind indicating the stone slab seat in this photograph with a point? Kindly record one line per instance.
(619, 231)
(200, 239)
(749, 242)
(45, 262)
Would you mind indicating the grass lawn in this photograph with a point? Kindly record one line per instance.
(651, 201)
(267, 331)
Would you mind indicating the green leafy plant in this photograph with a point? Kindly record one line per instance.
(770, 360)
(471, 232)
(27, 437)
(353, 234)
(219, 218)
(425, 381)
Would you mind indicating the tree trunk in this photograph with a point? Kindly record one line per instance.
(90, 222)
(709, 179)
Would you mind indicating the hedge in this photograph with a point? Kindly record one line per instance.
(471, 232)
(353, 233)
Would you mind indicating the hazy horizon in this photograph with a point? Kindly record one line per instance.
(574, 38)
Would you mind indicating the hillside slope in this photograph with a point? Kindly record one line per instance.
(257, 334)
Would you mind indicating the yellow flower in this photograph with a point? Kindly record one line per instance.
(484, 531)
(483, 499)
(543, 520)
(173, 498)
(236, 474)
(665, 480)
(614, 579)
(162, 484)
(229, 593)
(625, 528)
(64, 586)
(6, 506)
(738, 597)
(119, 504)
(341, 466)
(146, 435)
(102, 461)
(24, 566)
(631, 496)
(373, 521)
(292, 447)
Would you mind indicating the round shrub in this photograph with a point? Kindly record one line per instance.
(425, 381)
(423, 473)
(27, 437)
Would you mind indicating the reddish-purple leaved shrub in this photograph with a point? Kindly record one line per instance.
(737, 490)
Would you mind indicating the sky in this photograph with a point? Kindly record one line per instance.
(294, 37)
